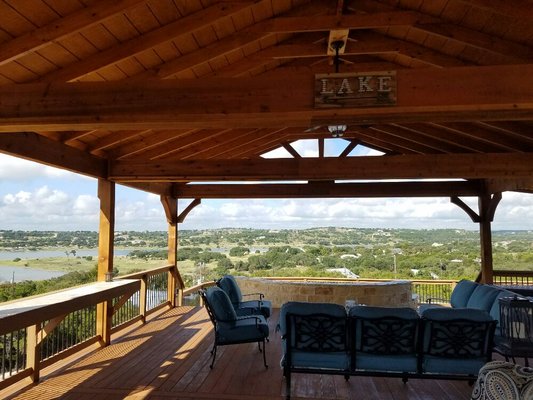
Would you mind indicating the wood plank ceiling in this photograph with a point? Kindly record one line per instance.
(154, 92)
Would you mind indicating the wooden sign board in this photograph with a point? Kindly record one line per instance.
(367, 89)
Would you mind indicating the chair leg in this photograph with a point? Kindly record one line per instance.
(288, 384)
(264, 354)
(214, 353)
(259, 345)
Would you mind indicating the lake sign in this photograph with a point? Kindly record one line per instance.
(368, 89)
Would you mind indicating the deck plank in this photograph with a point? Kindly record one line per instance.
(169, 358)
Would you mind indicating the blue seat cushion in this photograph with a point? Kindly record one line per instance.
(483, 297)
(439, 365)
(243, 329)
(462, 292)
(303, 359)
(388, 363)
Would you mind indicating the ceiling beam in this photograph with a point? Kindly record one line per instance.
(452, 94)
(33, 147)
(442, 166)
(330, 190)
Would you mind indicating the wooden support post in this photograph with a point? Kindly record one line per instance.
(33, 351)
(143, 298)
(175, 283)
(106, 194)
(487, 209)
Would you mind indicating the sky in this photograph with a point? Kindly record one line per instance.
(37, 197)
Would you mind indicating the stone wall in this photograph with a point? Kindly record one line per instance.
(390, 293)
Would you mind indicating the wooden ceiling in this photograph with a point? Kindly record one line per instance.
(156, 93)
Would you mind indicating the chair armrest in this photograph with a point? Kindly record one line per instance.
(257, 319)
(261, 295)
(431, 300)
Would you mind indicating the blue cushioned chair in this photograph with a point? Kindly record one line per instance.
(385, 339)
(229, 285)
(230, 328)
(314, 339)
(456, 341)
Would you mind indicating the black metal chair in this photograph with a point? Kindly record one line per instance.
(250, 307)
(230, 328)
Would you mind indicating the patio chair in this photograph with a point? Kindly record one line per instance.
(251, 307)
(230, 328)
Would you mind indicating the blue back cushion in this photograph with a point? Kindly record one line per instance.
(462, 292)
(483, 297)
(220, 304)
(229, 285)
(449, 314)
(385, 331)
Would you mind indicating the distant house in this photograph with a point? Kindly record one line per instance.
(345, 256)
(344, 271)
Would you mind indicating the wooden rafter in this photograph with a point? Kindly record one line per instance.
(66, 26)
(38, 148)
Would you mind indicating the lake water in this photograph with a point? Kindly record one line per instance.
(25, 274)
(32, 255)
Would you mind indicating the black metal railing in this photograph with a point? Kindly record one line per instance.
(13, 353)
(157, 292)
(128, 312)
(77, 327)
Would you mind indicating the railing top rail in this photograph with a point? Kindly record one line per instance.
(499, 272)
(328, 279)
(30, 311)
(148, 272)
(195, 288)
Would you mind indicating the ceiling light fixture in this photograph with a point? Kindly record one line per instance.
(337, 131)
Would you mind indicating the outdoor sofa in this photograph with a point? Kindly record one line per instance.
(472, 295)
(324, 338)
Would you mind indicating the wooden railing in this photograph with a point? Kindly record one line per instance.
(39, 331)
(512, 278)
(34, 339)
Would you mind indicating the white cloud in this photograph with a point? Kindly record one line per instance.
(48, 209)
(17, 170)
(58, 205)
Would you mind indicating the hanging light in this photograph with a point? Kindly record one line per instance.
(337, 130)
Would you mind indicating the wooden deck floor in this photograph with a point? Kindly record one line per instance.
(168, 358)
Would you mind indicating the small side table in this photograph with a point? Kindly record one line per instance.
(516, 328)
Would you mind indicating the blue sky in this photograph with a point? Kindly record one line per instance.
(36, 197)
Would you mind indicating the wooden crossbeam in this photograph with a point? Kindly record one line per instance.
(456, 94)
(330, 190)
(444, 166)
